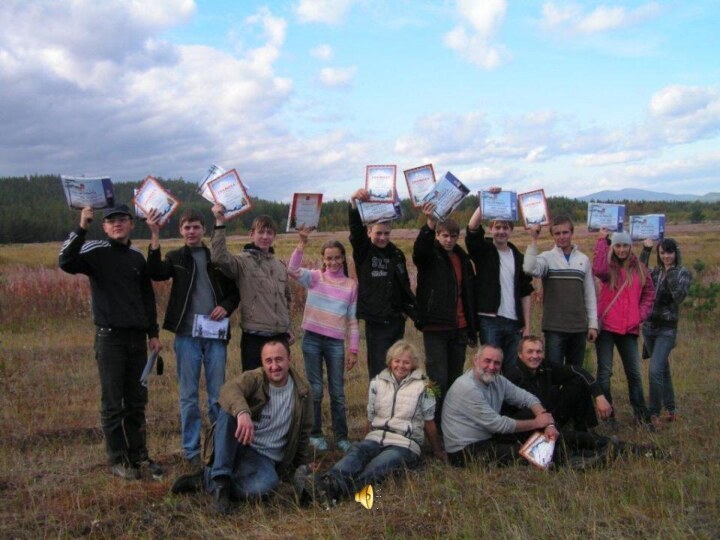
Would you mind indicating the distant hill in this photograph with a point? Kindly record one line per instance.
(629, 194)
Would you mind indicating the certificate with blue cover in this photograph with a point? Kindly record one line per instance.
(447, 194)
(502, 205)
(81, 191)
(380, 183)
(605, 216)
(650, 226)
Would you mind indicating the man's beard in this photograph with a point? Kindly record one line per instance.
(487, 377)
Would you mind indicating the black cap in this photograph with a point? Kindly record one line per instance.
(120, 209)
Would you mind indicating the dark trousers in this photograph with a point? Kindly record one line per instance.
(251, 348)
(500, 449)
(568, 403)
(565, 348)
(444, 361)
(121, 357)
(379, 337)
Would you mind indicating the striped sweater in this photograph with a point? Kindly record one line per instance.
(569, 300)
(331, 301)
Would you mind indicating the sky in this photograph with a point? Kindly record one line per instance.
(300, 95)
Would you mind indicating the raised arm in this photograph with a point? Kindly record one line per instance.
(228, 265)
(70, 259)
(158, 269)
(533, 264)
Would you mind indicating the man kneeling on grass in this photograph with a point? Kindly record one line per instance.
(261, 433)
(400, 407)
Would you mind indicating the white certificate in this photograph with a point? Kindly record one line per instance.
(420, 182)
(650, 226)
(533, 206)
(138, 211)
(378, 212)
(228, 190)
(380, 183)
(152, 196)
(538, 450)
(304, 211)
(213, 172)
(95, 192)
(503, 205)
(608, 216)
(447, 194)
(204, 326)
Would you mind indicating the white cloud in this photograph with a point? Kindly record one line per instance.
(322, 52)
(569, 17)
(323, 11)
(473, 39)
(686, 113)
(337, 77)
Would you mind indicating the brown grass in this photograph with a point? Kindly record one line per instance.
(54, 481)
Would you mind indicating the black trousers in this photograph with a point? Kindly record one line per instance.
(121, 358)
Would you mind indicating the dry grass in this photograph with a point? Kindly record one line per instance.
(54, 481)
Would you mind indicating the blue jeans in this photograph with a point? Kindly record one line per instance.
(369, 462)
(504, 333)
(628, 348)
(121, 355)
(444, 361)
(192, 353)
(315, 349)
(660, 341)
(378, 338)
(253, 475)
(565, 348)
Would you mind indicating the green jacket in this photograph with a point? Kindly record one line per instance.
(249, 392)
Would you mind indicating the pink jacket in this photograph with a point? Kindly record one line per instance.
(635, 302)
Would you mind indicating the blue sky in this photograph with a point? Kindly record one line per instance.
(300, 95)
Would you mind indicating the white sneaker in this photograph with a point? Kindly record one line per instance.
(319, 443)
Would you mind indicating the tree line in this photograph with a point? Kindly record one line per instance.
(33, 209)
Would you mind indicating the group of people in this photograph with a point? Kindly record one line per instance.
(267, 423)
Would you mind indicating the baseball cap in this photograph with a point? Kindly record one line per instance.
(120, 209)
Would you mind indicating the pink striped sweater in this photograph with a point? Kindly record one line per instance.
(331, 301)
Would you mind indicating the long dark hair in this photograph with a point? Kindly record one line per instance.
(668, 245)
(330, 244)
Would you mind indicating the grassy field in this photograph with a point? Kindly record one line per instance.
(54, 481)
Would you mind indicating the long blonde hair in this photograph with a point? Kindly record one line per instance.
(632, 265)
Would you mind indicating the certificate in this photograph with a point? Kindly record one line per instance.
(533, 206)
(378, 212)
(608, 216)
(95, 192)
(213, 172)
(650, 226)
(152, 196)
(503, 205)
(304, 211)
(205, 327)
(447, 194)
(138, 211)
(538, 450)
(420, 182)
(228, 190)
(380, 183)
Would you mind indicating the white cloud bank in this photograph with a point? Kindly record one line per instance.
(571, 18)
(472, 39)
(323, 11)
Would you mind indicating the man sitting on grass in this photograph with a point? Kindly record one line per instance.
(261, 434)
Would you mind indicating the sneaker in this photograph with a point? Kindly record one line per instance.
(155, 470)
(128, 472)
(301, 481)
(188, 483)
(319, 443)
(344, 445)
(221, 496)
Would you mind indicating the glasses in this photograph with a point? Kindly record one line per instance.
(118, 220)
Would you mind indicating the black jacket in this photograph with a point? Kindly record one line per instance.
(437, 287)
(485, 256)
(179, 265)
(384, 290)
(122, 294)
